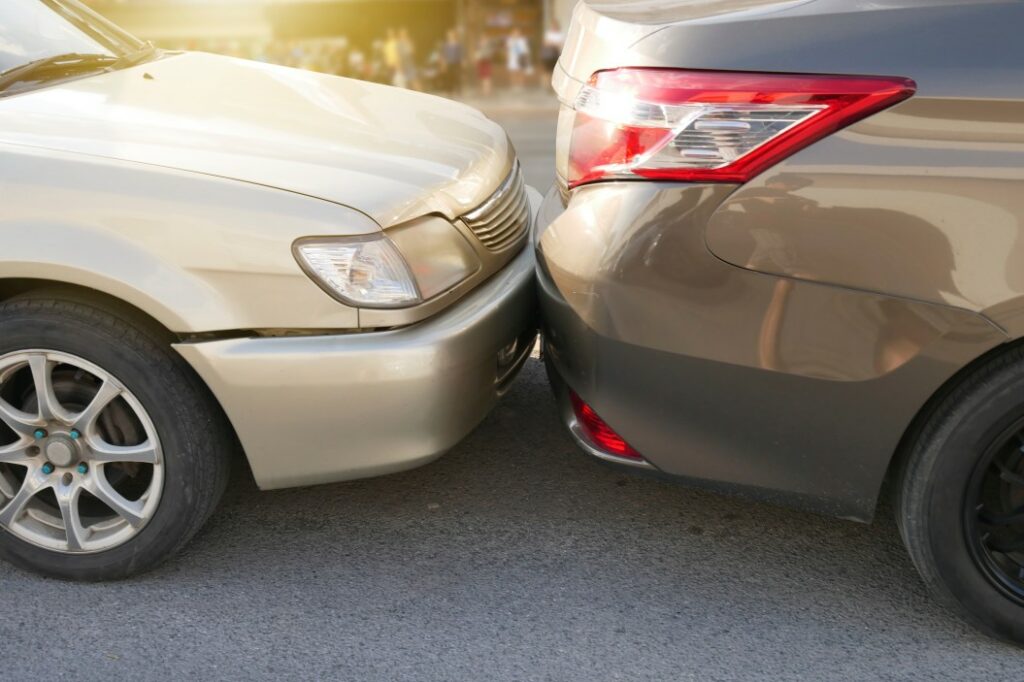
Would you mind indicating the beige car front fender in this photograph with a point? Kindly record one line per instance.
(198, 253)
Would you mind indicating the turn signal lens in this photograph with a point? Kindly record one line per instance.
(711, 126)
(598, 431)
(366, 272)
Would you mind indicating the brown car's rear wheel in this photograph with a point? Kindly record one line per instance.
(961, 498)
(112, 454)
(994, 512)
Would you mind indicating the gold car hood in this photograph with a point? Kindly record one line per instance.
(392, 154)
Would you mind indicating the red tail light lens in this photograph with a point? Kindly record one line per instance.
(711, 126)
(598, 431)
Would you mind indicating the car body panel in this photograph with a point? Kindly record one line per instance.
(392, 153)
(661, 12)
(923, 200)
(329, 408)
(959, 49)
(198, 254)
(790, 390)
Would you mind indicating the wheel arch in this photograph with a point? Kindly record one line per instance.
(21, 287)
(13, 288)
(97, 288)
(910, 435)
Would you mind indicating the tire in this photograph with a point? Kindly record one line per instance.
(183, 441)
(956, 482)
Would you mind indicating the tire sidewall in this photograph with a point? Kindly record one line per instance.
(151, 379)
(943, 489)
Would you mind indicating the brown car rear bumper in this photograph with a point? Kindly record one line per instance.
(791, 390)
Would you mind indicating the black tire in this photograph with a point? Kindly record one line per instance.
(938, 491)
(196, 440)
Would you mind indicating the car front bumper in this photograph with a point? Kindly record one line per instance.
(316, 409)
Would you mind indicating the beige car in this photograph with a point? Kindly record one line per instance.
(198, 252)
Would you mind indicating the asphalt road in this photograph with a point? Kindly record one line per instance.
(514, 557)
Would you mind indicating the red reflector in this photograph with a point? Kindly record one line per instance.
(598, 431)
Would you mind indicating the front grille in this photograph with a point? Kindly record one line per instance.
(502, 220)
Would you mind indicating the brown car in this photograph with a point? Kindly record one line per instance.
(785, 257)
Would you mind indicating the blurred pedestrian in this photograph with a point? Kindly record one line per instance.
(391, 58)
(554, 41)
(377, 70)
(433, 75)
(517, 49)
(407, 60)
(356, 63)
(451, 53)
(484, 64)
(338, 56)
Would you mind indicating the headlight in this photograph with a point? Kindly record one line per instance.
(361, 271)
(401, 267)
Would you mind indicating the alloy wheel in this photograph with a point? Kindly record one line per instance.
(81, 468)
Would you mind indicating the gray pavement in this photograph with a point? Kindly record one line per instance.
(530, 117)
(514, 557)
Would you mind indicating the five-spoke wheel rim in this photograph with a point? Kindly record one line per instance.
(81, 469)
(994, 512)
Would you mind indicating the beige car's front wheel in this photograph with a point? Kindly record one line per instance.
(112, 454)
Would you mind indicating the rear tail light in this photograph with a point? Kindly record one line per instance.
(598, 431)
(711, 126)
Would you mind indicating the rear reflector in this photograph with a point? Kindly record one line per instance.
(711, 126)
(598, 431)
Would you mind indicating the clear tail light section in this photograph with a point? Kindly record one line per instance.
(711, 126)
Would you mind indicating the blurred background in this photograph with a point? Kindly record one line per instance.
(496, 55)
(466, 49)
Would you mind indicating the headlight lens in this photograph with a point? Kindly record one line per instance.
(366, 271)
(402, 267)
(438, 255)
